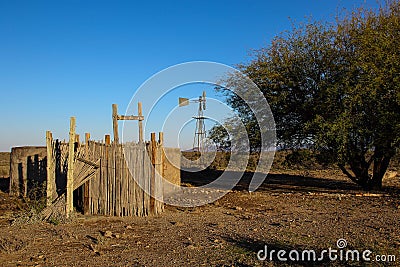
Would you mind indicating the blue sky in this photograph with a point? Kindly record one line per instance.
(75, 58)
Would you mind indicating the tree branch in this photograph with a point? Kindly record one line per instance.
(354, 179)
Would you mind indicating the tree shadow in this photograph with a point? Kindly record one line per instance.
(282, 183)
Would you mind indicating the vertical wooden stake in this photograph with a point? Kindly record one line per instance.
(107, 140)
(153, 171)
(160, 138)
(86, 185)
(159, 191)
(69, 205)
(140, 113)
(50, 169)
(161, 142)
(107, 178)
(115, 122)
(87, 137)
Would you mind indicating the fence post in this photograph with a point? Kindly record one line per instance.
(153, 147)
(115, 122)
(140, 113)
(86, 204)
(160, 173)
(69, 205)
(50, 169)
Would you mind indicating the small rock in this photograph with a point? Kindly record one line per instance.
(191, 247)
(238, 208)
(107, 234)
(179, 224)
(128, 227)
(116, 235)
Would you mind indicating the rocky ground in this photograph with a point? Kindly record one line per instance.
(291, 211)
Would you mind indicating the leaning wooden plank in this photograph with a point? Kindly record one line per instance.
(88, 162)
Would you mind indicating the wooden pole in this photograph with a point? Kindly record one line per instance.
(115, 122)
(140, 113)
(87, 138)
(50, 169)
(107, 139)
(153, 171)
(86, 202)
(161, 142)
(107, 179)
(69, 205)
(160, 173)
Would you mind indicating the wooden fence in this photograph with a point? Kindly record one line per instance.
(105, 178)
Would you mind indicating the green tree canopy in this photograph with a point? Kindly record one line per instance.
(335, 88)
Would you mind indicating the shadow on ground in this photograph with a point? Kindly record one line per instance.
(283, 183)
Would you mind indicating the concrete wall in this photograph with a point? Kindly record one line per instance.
(28, 166)
(4, 164)
(172, 159)
(172, 172)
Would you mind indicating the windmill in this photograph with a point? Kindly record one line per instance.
(200, 132)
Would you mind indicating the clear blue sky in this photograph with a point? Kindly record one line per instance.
(75, 58)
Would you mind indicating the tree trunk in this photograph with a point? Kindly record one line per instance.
(380, 166)
(360, 169)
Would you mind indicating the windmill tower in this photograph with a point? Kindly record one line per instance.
(200, 131)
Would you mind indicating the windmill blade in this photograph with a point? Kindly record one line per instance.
(183, 101)
(204, 100)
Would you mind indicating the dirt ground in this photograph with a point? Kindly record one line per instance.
(291, 211)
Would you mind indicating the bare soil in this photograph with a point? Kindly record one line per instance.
(293, 210)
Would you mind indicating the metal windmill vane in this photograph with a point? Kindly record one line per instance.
(200, 131)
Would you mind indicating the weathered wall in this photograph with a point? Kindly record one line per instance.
(172, 157)
(27, 167)
(4, 164)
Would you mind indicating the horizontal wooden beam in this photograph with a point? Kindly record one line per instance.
(132, 117)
